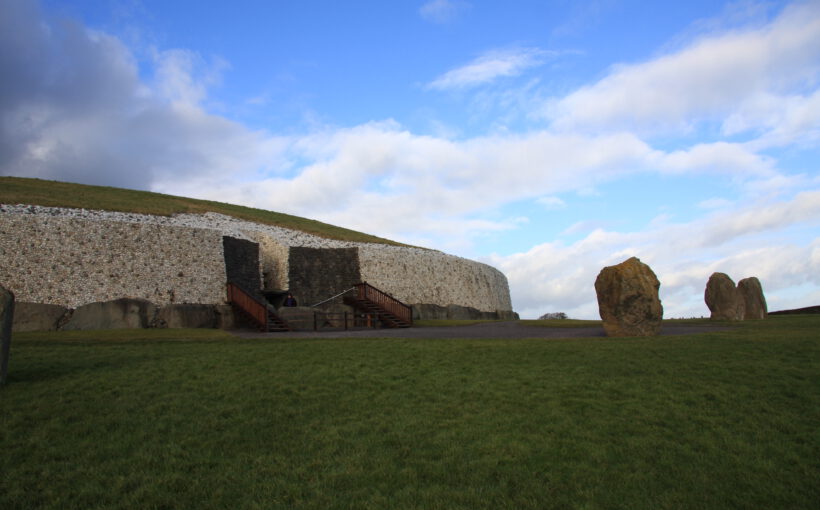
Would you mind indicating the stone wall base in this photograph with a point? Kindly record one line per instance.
(124, 313)
(422, 311)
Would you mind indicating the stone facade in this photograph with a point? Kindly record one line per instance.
(72, 257)
(273, 259)
(415, 275)
(71, 262)
(242, 264)
(317, 274)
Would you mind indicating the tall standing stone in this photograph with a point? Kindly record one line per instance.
(754, 303)
(723, 298)
(6, 318)
(628, 299)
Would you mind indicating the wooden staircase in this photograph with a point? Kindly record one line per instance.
(384, 307)
(261, 314)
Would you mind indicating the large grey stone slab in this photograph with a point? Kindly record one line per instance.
(423, 311)
(225, 317)
(458, 312)
(123, 313)
(39, 317)
(187, 315)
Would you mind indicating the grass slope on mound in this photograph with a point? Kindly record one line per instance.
(194, 420)
(19, 190)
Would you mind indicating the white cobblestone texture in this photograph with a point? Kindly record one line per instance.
(414, 275)
(72, 257)
(72, 262)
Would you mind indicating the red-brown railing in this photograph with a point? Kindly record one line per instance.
(385, 301)
(248, 304)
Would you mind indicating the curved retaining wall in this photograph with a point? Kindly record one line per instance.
(414, 275)
(74, 257)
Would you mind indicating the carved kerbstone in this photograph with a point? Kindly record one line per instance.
(754, 303)
(723, 298)
(628, 299)
(6, 319)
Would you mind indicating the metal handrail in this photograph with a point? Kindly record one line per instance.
(334, 297)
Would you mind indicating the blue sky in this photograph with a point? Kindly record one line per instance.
(549, 139)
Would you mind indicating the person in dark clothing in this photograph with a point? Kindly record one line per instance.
(290, 300)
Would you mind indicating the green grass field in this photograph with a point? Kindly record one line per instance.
(201, 419)
(19, 190)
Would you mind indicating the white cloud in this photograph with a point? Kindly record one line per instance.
(551, 202)
(560, 278)
(78, 111)
(442, 11)
(717, 157)
(714, 203)
(183, 76)
(491, 66)
(711, 78)
(783, 120)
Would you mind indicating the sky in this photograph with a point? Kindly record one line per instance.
(547, 138)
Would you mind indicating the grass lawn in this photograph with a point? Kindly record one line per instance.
(201, 419)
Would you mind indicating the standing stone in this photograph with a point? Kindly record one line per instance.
(754, 303)
(628, 299)
(6, 319)
(723, 298)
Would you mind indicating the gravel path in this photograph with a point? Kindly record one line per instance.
(510, 329)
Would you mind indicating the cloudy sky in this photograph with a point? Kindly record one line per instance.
(549, 139)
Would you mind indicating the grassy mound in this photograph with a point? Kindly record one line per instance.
(18, 190)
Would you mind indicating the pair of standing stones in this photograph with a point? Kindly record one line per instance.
(728, 302)
(629, 304)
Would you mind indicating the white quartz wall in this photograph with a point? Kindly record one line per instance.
(414, 275)
(72, 257)
(273, 259)
(71, 262)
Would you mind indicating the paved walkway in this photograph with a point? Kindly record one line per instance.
(512, 329)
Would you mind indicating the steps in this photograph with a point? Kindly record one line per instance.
(365, 306)
(276, 323)
(254, 309)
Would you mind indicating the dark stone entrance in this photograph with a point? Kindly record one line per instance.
(319, 273)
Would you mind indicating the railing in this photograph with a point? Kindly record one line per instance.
(387, 302)
(351, 289)
(248, 304)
